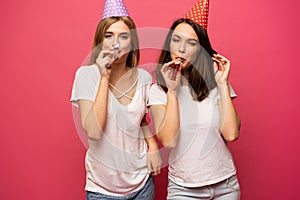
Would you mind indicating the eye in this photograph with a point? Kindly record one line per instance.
(175, 39)
(107, 36)
(193, 43)
(124, 36)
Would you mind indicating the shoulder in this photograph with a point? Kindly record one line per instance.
(87, 72)
(145, 75)
(91, 69)
(157, 96)
(216, 93)
(155, 88)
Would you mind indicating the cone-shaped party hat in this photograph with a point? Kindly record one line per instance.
(114, 8)
(199, 13)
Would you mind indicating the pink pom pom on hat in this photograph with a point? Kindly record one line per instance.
(114, 8)
(199, 13)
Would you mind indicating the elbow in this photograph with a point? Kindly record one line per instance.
(169, 143)
(231, 136)
(93, 132)
(94, 135)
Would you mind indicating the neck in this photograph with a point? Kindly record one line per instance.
(185, 77)
(118, 68)
(117, 71)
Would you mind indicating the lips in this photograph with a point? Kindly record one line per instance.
(178, 61)
(116, 53)
(116, 49)
(115, 56)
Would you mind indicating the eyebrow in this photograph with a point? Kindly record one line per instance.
(123, 33)
(189, 39)
(176, 36)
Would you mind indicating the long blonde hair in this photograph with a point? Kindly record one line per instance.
(134, 54)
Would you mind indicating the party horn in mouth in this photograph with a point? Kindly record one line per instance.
(178, 61)
(116, 50)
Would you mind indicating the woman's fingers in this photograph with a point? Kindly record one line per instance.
(104, 59)
(149, 165)
(218, 64)
(222, 62)
(106, 53)
(221, 59)
(154, 163)
(166, 66)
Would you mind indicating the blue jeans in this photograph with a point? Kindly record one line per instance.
(145, 193)
(229, 189)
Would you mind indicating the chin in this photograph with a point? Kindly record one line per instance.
(121, 59)
(185, 66)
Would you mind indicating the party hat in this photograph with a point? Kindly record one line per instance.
(199, 13)
(114, 8)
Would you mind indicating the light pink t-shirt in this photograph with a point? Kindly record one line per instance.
(116, 164)
(200, 157)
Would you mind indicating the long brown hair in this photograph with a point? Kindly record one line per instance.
(134, 54)
(201, 72)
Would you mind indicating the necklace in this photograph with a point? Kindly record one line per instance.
(124, 94)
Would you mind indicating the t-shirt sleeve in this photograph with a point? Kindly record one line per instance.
(157, 96)
(148, 84)
(231, 91)
(83, 86)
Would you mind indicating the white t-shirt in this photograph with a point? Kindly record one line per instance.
(116, 164)
(200, 157)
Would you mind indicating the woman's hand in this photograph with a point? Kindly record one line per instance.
(167, 70)
(154, 160)
(103, 61)
(221, 69)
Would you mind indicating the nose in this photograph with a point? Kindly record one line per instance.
(116, 42)
(116, 46)
(182, 47)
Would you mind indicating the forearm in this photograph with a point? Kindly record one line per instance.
(168, 132)
(149, 138)
(229, 119)
(154, 160)
(95, 120)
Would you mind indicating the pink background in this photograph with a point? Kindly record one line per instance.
(44, 42)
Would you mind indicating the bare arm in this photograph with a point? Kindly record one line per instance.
(229, 119)
(166, 121)
(93, 114)
(154, 160)
(166, 117)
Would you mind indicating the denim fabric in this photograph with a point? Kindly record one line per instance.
(145, 193)
(229, 189)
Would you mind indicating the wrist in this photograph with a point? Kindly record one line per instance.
(222, 84)
(105, 79)
(152, 145)
(223, 89)
(104, 82)
(172, 92)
